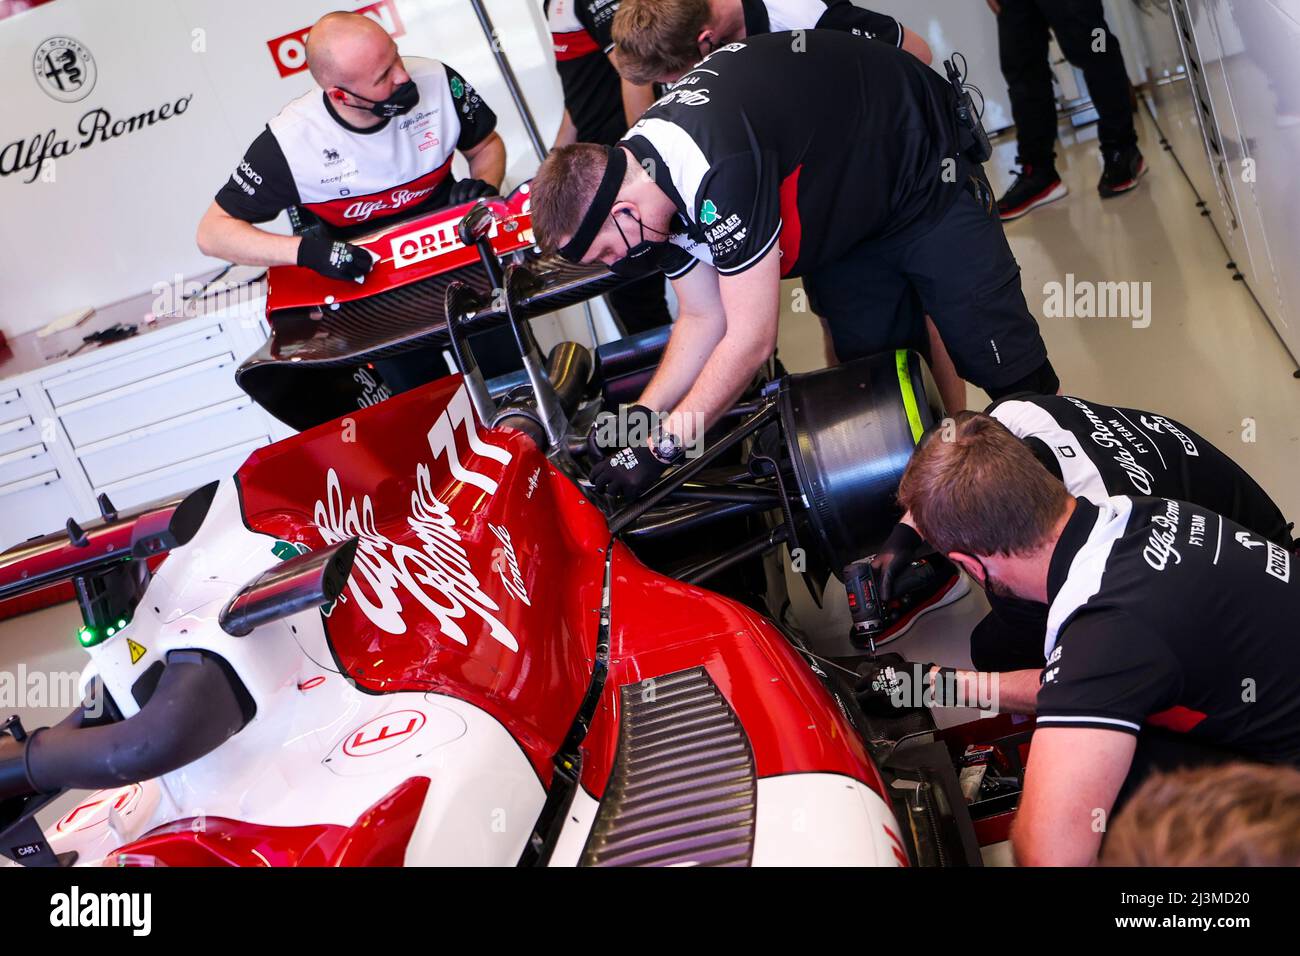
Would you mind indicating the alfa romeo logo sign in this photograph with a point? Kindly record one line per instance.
(64, 69)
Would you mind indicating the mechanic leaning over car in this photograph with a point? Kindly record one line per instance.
(811, 154)
(1170, 629)
(1096, 451)
(599, 106)
(659, 40)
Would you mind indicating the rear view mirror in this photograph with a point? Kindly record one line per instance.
(310, 580)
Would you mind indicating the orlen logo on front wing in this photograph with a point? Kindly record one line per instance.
(290, 50)
(428, 243)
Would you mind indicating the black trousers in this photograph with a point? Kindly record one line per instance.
(1022, 45)
(962, 273)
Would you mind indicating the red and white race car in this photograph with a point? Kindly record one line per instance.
(411, 634)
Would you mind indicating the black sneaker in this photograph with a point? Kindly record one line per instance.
(1124, 167)
(1034, 186)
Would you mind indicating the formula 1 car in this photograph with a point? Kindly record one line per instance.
(413, 634)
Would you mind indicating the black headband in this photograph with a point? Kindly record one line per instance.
(601, 204)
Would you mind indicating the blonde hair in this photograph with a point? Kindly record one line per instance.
(1236, 814)
(656, 39)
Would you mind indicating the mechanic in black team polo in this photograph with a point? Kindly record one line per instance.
(818, 155)
(659, 40)
(1171, 630)
(599, 106)
(1097, 451)
(372, 142)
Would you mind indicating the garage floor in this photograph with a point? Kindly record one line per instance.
(1209, 358)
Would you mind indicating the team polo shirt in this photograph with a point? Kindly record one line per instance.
(1100, 450)
(774, 16)
(814, 140)
(355, 179)
(1163, 613)
(593, 92)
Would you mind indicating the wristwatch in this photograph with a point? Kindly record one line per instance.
(666, 447)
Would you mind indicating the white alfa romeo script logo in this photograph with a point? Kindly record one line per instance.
(438, 574)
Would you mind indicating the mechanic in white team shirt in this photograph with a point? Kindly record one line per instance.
(374, 140)
(659, 40)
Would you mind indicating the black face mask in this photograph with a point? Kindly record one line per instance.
(643, 259)
(994, 586)
(401, 100)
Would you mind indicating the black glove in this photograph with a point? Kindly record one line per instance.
(604, 437)
(335, 260)
(891, 686)
(463, 190)
(885, 687)
(628, 473)
(894, 557)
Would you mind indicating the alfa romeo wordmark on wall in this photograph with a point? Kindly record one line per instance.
(95, 126)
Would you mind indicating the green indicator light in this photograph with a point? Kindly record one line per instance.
(112, 631)
(121, 623)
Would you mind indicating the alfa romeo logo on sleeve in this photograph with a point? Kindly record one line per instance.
(457, 87)
(64, 69)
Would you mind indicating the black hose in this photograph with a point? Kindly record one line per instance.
(197, 706)
(688, 516)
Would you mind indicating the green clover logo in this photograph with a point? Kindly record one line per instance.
(457, 87)
(708, 213)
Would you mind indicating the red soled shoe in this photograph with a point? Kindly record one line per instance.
(930, 583)
(1123, 169)
(1034, 186)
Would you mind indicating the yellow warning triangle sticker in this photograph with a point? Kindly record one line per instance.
(137, 650)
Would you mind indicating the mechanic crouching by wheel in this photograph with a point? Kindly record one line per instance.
(371, 142)
(1170, 629)
(1096, 451)
(813, 154)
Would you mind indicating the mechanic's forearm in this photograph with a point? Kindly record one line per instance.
(693, 340)
(488, 161)
(914, 44)
(636, 100)
(1007, 692)
(725, 375)
(568, 132)
(224, 237)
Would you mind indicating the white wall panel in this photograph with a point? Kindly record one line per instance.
(119, 215)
